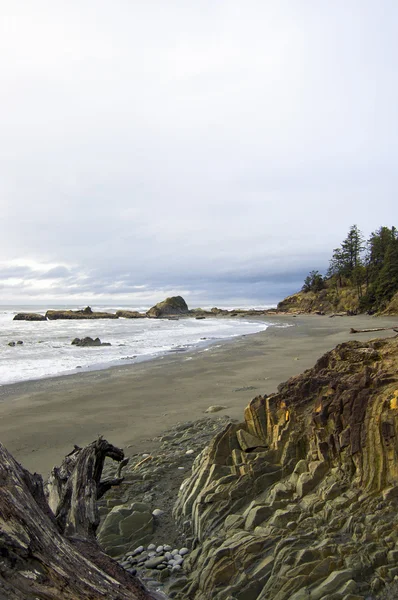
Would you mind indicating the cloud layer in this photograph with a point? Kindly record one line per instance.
(214, 148)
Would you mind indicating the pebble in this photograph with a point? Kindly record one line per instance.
(167, 548)
(180, 468)
(183, 551)
(159, 549)
(178, 560)
(174, 552)
(152, 553)
(125, 564)
(176, 568)
(189, 451)
(151, 547)
(152, 563)
(157, 512)
(145, 455)
(167, 555)
(138, 550)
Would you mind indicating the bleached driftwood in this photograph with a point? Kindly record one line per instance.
(52, 556)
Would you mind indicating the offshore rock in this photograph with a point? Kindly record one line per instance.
(88, 341)
(86, 313)
(29, 317)
(175, 305)
(300, 501)
(130, 314)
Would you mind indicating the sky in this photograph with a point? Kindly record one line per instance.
(215, 149)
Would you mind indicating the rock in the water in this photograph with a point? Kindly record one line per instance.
(130, 314)
(29, 317)
(175, 305)
(88, 341)
(12, 344)
(86, 313)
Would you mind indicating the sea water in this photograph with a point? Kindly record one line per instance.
(47, 350)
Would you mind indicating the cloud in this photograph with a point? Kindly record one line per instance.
(186, 146)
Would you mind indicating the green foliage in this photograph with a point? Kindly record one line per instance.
(346, 262)
(381, 269)
(373, 274)
(314, 282)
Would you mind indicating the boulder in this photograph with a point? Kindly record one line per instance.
(29, 317)
(175, 305)
(88, 341)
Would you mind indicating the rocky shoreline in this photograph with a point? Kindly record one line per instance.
(298, 502)
(137, 525)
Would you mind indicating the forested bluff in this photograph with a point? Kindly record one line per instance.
(362, 278)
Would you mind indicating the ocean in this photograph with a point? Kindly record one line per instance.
(47, 351)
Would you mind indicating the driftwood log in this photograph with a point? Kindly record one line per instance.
(51, 553)
(352, 330)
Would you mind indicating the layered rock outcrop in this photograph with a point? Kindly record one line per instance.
(300, 501)
(175, 305)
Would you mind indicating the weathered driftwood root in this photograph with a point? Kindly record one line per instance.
(352, 330)
(75, 487)
(51, 557)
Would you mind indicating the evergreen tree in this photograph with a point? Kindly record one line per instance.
(346, 262)
(314, 282)
(352, 248)
(387, 282)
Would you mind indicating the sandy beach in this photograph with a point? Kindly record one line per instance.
(41, 420)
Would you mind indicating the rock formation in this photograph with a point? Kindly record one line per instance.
(175, 305)
(130, 314)
(86, 313)
(326, 301)
(29, 317)
(88, 341)
(300, 501)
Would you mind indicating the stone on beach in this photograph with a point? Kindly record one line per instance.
(215, 408)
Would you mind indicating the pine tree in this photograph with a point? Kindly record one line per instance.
(387, 282)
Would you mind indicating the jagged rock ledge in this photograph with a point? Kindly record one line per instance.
(300, 501)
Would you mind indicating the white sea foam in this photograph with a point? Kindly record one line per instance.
(47, 349)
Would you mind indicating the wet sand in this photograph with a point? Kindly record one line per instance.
(40, 421)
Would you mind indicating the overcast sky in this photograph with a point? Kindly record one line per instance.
(215, 148)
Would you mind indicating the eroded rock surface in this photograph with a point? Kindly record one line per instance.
(175, 305)
(300, 501)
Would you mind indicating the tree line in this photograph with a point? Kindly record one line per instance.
(370, 266)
